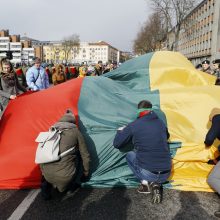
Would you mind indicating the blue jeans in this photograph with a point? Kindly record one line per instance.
(143, 174)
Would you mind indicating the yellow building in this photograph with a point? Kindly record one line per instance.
(53, 53)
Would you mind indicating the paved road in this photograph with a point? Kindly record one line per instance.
(112, 204)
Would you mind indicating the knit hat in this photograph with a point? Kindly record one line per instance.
(215, 111)
(68, 117)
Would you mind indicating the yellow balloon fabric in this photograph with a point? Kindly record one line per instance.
(187, 97)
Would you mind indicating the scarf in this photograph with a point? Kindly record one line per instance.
(143, 111)
(9, 78)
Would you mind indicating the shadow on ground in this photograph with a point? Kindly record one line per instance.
(121, 204)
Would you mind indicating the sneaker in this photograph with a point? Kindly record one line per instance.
(156, 193)
(217, 214)
(144, 189)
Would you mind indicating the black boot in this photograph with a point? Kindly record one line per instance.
(46, 189)
(157, 192)
(71, 191)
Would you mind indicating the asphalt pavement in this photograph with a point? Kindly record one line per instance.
(112, 204)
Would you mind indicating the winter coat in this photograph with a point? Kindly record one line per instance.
(6, 90)
(21, 77)
(58, 78)
(37, 79)
(208, 70)
(61, 173)
(149, 136)
(217, 73)
(98, 70)
(214, 131)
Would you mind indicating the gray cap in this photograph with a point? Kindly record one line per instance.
(68, 117)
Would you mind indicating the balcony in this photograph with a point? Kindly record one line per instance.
(28, 49)
(15, 49)
(4, 46)
(16, 54)
(2, 55)
(4, 39)
(15, 46)
(16, 60)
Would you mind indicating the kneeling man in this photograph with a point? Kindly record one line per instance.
(151, 159)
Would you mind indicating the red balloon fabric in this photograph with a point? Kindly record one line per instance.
(38, 110)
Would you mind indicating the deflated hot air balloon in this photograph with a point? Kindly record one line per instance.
(182, 96)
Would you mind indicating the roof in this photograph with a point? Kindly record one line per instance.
(24, 38)
(102, 43)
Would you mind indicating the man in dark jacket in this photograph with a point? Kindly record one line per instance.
(98, 68)
(216, 70)
(213, 133)
(151, 160)
(206, 67)
(64, 173)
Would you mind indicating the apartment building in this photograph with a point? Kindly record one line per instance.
(4, 45)
(20, 50)
(200, 33)
(102, 51)
(86, 52)
(53, 53)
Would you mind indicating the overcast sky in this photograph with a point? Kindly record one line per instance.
(116, 22)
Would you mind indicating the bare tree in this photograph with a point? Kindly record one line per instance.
(69, 44)
(173, 12)
(150, 36)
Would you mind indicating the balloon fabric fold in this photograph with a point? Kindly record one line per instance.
(182, 97)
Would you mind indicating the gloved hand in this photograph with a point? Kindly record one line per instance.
(211, 162)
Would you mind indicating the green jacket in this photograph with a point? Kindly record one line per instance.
(62, 172)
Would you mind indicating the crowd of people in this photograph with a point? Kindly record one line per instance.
(150, 161)
(38, 76)
(213, 70)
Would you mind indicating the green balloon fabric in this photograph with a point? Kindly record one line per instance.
(107, 103)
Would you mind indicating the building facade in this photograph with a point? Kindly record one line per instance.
(24, 49)
(86, 52)
(21, 51)
(53, 53)
(199, 37)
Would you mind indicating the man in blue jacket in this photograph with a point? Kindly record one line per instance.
(36, 77)
(214, 133)
(151, 160)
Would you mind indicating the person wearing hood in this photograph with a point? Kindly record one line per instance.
(151, 159)
(214, 133)
(9, 84)
(59, 76)
(63, 174)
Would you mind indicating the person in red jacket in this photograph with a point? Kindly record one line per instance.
(20, 74)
